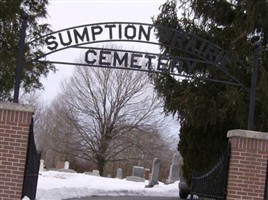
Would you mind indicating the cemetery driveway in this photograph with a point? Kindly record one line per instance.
(126, 198)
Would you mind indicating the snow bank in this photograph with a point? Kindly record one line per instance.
(54, 185)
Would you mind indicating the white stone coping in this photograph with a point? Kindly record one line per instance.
(16, 107)
(247, 134)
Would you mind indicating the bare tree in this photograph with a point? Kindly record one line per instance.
(55, 136)
(102, 106)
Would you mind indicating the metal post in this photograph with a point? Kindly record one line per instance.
(19, 66)
(256, 48)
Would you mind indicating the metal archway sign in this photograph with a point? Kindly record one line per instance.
(194, 49)
(198, 50)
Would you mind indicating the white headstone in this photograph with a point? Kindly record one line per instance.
(95, 172)
(41, 167)
(119, 173)
(66, 165)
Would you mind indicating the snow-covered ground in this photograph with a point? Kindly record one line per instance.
(53, 185)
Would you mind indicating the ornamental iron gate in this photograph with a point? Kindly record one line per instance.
(213, 184)
(31, 167)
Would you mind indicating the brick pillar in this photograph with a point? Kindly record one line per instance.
(15, 121)
(247, 170)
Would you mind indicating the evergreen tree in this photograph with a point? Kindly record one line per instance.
(10, 30)
(207, 110)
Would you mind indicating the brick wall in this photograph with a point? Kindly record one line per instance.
(15, 120)
(248, 163)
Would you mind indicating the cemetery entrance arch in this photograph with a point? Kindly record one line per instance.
(195, 50)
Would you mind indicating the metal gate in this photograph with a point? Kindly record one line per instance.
(31, 167)
(213, 184)
(266, 183)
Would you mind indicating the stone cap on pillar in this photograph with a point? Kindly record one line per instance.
(16, 107)
(248, 134)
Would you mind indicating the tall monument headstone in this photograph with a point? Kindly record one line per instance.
(174, 172)
(155, 173)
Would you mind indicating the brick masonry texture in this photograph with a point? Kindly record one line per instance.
(14, 130)
(247, 170)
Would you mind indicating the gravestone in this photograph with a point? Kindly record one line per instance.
(137, 174)
(119, 173)
(138, 171)
(155, 173)
(174, 172)
(66, 165)
(95, 172)
(42, 164)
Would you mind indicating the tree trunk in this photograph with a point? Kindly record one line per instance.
(101, 156)
(101, 164)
